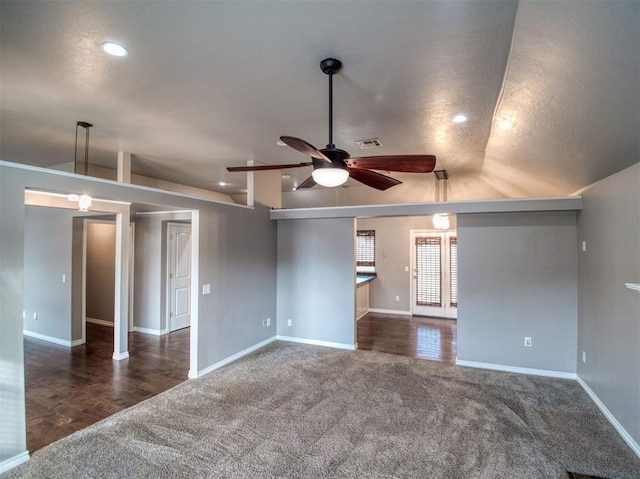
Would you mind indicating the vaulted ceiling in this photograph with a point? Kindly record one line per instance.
(550, 88)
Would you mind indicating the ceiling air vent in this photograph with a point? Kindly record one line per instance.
(370, 143)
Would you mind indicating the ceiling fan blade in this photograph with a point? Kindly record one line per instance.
(304, 147)
(405, 163)
(373, 179)
(308, 183)
(267, 167)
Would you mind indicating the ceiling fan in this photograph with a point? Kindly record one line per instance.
(333, 167)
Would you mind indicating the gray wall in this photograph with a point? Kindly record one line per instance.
(393, 253)
(101, 270)
(240, 263)
(150, 269)
(609, 313)
(47, 256)
(237, 257)
(12, 400)
(517, 278)
(316, 279)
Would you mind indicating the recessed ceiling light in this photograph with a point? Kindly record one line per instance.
(222, 183)
(281, 143)
(459, 118)
(286, 176)
(115, 49)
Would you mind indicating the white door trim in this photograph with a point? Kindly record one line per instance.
(195, 293)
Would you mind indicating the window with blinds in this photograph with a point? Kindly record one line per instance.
(366, 248)
(453, 271)
(428, 280)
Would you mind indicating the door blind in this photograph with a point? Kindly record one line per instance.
(428, 274)
(453, 271)
(366, 248)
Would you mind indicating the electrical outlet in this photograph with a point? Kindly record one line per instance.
(264, 323)
(64, 278)
(584, 356)
(527, 341)
(584, 246)
(397, 298)
(268, 321)
(288, 322)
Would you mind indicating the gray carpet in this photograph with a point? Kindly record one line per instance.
(293, 410)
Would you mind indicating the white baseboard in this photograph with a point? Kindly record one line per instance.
(515, 369)
(14, 461)
(120, 356)
(397, 312)
(230, 359)
(155, 332)
(51, 339)
(317, 342)
(635, 447)
(101, 322)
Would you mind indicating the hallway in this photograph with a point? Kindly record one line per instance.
(414, 336)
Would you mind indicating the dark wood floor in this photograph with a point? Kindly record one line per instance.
(414, 336)
(68, 389)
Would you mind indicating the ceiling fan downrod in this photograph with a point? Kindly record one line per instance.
(330, 66)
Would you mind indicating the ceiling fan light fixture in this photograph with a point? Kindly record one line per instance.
(330, 177)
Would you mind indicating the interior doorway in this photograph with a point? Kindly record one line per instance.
(434, 285)
(56, 354)
(99, 271)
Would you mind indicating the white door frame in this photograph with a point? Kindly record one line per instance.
(444, 311)
(132, 251)
(195, 293)
(132, 225)
(122, 211)
(85, 227)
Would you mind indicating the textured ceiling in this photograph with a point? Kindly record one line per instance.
(551, 88)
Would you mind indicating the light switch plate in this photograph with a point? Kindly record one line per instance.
(206, 288)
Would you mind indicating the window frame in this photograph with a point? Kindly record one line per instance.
(366, 259)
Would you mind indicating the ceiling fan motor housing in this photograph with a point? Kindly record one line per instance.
(330, 66)
(337, 157)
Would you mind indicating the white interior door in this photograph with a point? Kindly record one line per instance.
(179, 276)
(434, 286)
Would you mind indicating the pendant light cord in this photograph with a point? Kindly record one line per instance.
(330, 145)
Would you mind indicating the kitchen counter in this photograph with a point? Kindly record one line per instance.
(362, 294)
(363, 279)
